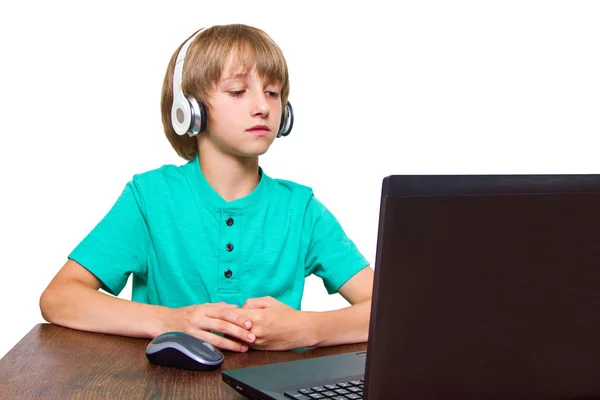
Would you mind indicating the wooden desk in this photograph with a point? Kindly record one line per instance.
(56, 362)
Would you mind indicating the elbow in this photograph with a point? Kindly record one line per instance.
(48, 303)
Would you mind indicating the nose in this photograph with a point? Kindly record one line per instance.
(260, 105)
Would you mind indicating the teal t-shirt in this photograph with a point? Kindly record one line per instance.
(184, 244)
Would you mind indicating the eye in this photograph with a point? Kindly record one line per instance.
(272, 94)
(236, 93)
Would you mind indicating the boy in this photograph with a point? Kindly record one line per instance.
(217, 249)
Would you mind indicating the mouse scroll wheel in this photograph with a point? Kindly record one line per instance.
(210, 346)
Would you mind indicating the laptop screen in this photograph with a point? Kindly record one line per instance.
(486, 287)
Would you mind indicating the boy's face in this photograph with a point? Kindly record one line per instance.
(244, 112)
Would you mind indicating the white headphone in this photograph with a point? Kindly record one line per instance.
(188, 115)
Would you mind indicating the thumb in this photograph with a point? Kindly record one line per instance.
(254, 303)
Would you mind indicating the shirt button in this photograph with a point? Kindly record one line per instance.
(229, 247)
(228, 274)
(229, 221)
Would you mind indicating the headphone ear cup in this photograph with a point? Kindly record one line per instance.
(287, 121)
(198, 117)
(181, 113)
(203, 117)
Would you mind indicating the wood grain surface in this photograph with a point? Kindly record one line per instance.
(61, 363)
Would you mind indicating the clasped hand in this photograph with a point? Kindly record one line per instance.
(275, 325)
(262, 323)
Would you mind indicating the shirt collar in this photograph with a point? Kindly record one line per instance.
(209, 197)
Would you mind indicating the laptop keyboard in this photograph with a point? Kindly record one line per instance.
(339, 391)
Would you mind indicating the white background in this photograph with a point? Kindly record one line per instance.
(424, 87)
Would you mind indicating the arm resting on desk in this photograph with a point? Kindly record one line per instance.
(72, 299)
(350, 324)
(280, 327)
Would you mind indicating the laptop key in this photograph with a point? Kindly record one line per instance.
(330, 387)
(353, 396)
(297, 396)
(339, 398)
(316, 396)
(329, 393)
(354, 389)
(319, 389)
(305, 391)
(343, 384)
(356, 383)
(341, 391)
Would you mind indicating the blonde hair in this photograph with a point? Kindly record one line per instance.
(206, 57)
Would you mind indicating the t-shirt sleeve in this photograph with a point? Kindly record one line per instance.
(331, 255)
(118, 245)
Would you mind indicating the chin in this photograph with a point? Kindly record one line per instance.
(256, 151)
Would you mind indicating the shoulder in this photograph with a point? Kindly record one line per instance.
(167, 179)
(163, 174)
(301, 196)
(304, 198)
(161, 185)
(292, 188)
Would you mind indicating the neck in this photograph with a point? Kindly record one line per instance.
(231, 177)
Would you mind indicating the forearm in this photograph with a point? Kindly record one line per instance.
(347, 325)
(77, 306)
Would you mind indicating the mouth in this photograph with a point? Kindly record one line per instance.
(259, 130)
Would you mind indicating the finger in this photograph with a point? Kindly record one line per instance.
(230, 315)
(221, 342)
(225, 305)
(228, 328)
(252, 314)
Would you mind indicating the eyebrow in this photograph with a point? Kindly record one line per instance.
(244, 75)
(236, 76)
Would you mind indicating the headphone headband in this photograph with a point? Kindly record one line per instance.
(189, 116)
(178, 71)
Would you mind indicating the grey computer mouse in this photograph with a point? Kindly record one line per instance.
(180, 350)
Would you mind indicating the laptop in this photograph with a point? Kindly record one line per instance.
(486, 287)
